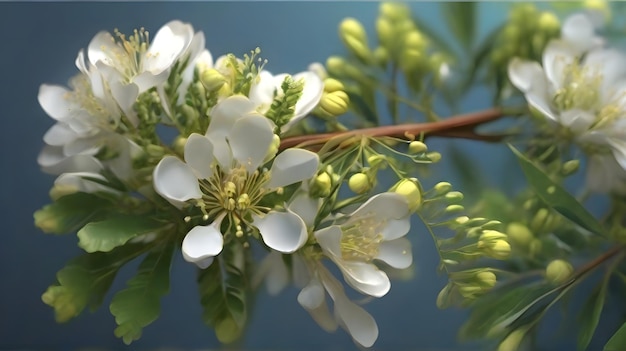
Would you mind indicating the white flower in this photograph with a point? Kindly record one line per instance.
(263, 91)
(221, 174)
(350, 316)
(586, 97)
(579, 30)
(374, 231)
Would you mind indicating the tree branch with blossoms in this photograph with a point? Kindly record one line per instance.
(302, 168)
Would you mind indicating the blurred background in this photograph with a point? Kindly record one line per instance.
(40, 42)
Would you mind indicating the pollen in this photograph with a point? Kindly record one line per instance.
(361, 240)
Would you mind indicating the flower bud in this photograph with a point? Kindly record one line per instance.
(417, 147)
(60, 190)
(434, 156)
(358, 48)
(351, 27)
(570, 167)
(321, 185)
(493, 224)
(415, 40)
(273, 149)
(486, 279)
(335, 103)
(179, 145)
(212, 79)
(601, 6)
(336, 65)
(461, 220)
(470, 291)
(559, 271)
(539, 220)
(385, 32)
(500, 250)
(442, 187)
(410, 59)
(381, 56)
(491, 236)
(519, 234)
(411, 189)
(191, 114)
(454, 208)
(376, 160)
(535, 247)
(359, 183)
(454, 196)
(548, 22)
(332, 85)
(394, 11)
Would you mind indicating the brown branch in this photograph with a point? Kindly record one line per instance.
(591, 265)
(461, 126)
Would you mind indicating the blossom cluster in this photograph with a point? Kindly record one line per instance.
(225, 179)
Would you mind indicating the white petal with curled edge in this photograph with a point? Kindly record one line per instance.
(360, 324)
(250, 140)
(306, 207)
(293, 165)
(329, 239)
(76, 163)
(199, 155)
(365, 277)
(52, 99)
(577, 120)
(382, 206)
(282, 231)
(203, 242)
(312, 296)
(396, 253)
(101, 46)
(59, 134)
(557, 55)
(277, 276)
(578, 30)
(84, 182)
(311, 96)
(126, 95)
(263, 90)
(175, 181)
(169, 42)
(226, 113)
(523, 73)
(395, 228)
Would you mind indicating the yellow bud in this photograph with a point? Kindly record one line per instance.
(381, 56)
(434, 156)
(570, 167)
(335, 103)
(358, 48)
(60, 190)
(470, 291)
(499, 250)
(335, 65)
(535, 247)
(559, 271)
(491, 236)
(454, 208)
(190, 113)
(548, 22)
(385, 32)
(415, 40)
(462, 219)
(417, 147)
(487, 279)
(394, 11)
(321, 185)
(519, 234)
(351, 27)
(539, 220)
(376, 160)
(47, 221)
(411, 189)
(212, 79)
(359, 183)
(179, 145)
(410, 59)
(512, 341)
(512, 33)
(442, 187)
(601, 6)
(454, 196)
(332, 85)
(271, 152)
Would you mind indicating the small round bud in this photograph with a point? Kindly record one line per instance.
(499, 250)
(415, 40)
(539, 220)
(570, 167)
(454, 208)
(335, 103)
(417, 147)
(411, 190)
(353, 28)
(434, 156)
(486, 279)
(321, 185)
(394, 11)
(336, 65)
(519, 234)
(190, 113)
(470, 291)
(461, 220)
(385, 32)
(491, 236)
(212, 79)
(358, 48)
(273, 149)
(559, 271)
(376, 160)
(179, 145)
(442, 187)
(548, 22)
(512, 341)
(454, 196)
(381, 56)
(331, 85)
(410, 59)
(512, 33)
(535, 247)
(359, 183)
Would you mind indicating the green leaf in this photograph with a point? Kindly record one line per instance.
(85, 280)
(556, 197)
(438, 41)
(223, 290)
(479, 58)
(617, 341)
(139, 304)
(590, 314)
(460, 18)
(493, 313)
(115, 231)
(69, 213)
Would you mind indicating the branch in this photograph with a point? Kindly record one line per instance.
(461, 126)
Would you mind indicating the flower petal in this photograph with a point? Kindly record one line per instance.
(311, 96)
(329, 239)
(53, 100)
(250, 139)
(365, 277)
(557, 55)
(577, 120)
(282, 231)
(167, 45)
(360, 324)
(83, 182)
(59, 134)
(277, 276)
(263, 90)
(199, 155)
(53, 161)
(305, 206)
(312, 296)
(203, 242)
(383, 206)
(293, 165)
(523, 74)
(101, 46)
(175, 181)
(396, 253)
(579, 31)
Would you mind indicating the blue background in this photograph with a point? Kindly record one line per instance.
(39, 45)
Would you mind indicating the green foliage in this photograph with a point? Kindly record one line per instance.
(85, 280)
(115, 231)
(460, 18)
(224, 294)
(617, 341)
(590, 314)
(70, 212)
(138, 305)
(556, 197)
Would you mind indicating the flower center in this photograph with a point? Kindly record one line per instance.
(237, 193)
(360, 241)
(128, 55)
(82, 95)
(580, 88)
